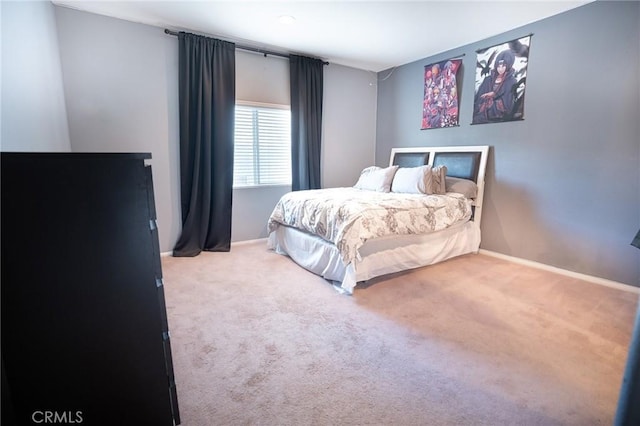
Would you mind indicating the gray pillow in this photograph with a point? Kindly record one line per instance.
(466, 187)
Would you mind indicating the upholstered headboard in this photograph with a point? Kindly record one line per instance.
(466, 162)
(410, 159)
(465, 165)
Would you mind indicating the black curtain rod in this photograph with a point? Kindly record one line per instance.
(249, 48)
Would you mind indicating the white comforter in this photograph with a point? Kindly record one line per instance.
(348, 217)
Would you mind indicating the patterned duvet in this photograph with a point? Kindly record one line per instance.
(348, 217)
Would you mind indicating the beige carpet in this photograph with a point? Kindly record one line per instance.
(476, 340)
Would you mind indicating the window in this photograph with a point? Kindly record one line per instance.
(262, 153)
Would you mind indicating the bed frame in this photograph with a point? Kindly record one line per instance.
(382, 256)
(466, 162)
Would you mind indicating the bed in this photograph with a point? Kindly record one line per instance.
(350, 235)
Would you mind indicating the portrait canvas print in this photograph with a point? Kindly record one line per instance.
(441, 94)
(501, 75)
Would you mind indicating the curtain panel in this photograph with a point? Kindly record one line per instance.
(306, 121)
(207, 105)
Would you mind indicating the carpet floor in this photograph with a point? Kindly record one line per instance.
(476, 340)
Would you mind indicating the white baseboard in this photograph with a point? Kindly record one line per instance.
(233, 243)
(239, 243)
(584, 277)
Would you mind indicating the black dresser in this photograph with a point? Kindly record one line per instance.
(85, 338)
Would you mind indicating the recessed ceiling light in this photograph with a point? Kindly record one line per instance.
(286, 19)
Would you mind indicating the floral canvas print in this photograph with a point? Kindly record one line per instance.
(501, 75)
(441, 94)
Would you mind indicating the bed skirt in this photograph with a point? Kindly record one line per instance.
(378, 256)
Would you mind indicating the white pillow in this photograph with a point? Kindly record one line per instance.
(375, 178)
(411, 180)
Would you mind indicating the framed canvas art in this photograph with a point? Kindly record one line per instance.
(501, 75)
(441, 94)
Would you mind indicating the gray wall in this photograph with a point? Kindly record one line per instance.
(119, 80)
(349, 129)
(121, 91)
(563, 186)
(32, 107)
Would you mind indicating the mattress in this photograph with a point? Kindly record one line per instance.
(377, 256)
(348, 217)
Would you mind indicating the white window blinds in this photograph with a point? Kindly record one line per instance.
(262, 153)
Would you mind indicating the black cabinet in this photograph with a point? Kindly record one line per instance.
(85, 337)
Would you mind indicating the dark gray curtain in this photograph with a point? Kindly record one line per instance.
(207, 108)
(306, 121)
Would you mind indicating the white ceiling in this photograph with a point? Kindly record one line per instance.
(370, 35)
